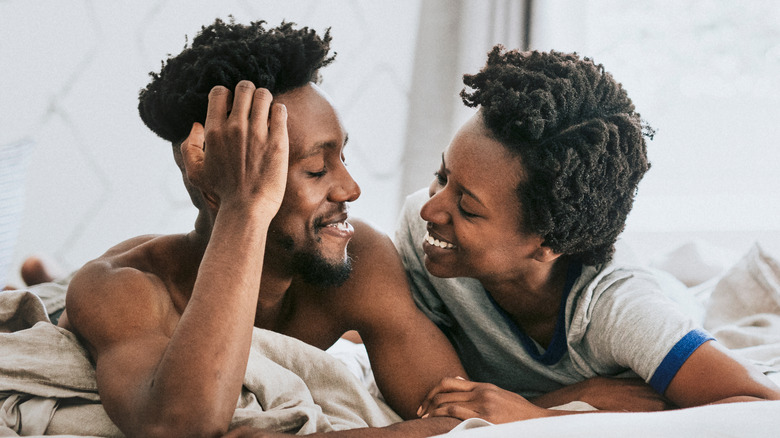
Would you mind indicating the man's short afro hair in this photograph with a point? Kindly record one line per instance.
(279, 59)
(578, 138)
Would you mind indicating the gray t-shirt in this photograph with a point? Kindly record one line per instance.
(615, 321)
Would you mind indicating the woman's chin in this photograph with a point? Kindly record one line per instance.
(438, 270)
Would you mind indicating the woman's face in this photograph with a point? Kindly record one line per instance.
(473, 215)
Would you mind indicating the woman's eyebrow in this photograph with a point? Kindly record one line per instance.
(471, 195)
(463, 189)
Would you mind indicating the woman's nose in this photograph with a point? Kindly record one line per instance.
(435, 209)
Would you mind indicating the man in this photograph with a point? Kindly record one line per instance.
(168, 320)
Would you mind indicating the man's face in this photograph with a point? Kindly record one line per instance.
(310, 232)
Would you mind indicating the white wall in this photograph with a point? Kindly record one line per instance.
(70, 80)
(702, 72)
(705, 75)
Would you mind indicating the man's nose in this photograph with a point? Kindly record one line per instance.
(347, 189)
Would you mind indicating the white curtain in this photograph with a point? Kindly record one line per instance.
(454, 38)
(14, 158)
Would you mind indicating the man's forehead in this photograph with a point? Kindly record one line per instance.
(313, 123)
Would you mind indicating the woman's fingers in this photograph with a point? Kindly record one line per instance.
(461, 411)
(447, 384)
(444, 399)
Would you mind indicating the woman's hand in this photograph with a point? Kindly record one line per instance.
(463, 399)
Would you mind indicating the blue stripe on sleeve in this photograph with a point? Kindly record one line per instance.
(676, 358)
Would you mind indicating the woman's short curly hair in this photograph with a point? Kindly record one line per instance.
(578, 138)
(279, 59)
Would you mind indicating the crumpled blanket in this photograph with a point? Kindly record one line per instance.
(47, 382)
(743, 312)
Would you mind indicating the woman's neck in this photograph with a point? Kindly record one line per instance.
(534, 297)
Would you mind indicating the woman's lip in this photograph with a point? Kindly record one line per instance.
(432, 241)
(434, 252)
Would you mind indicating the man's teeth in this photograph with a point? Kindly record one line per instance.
(436, 242)
(343, 226)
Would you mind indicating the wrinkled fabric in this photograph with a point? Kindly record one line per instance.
(47, 382)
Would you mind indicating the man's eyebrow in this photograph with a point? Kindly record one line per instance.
(319, 147)
(314, 150)
(463, 189)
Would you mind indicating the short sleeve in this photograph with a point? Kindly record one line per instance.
(636, 326)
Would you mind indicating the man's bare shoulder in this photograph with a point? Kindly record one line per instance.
(378, 284)
(120, 292)
(369, 244)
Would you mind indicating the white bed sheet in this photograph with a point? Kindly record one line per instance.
(750, 419)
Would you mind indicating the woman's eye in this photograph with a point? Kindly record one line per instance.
(464, 212)
(440, 178)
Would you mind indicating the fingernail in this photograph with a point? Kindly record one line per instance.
(424, 416)
(419, 410)
(459, 378)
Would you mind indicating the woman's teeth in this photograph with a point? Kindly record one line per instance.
(436, 242)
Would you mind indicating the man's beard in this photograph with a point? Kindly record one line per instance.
(315, 270)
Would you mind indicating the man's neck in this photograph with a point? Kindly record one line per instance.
(273, 303)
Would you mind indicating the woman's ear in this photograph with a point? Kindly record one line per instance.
(545, 254)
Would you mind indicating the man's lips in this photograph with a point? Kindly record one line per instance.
(337, 226)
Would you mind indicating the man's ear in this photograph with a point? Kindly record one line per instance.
(176, 146)
(545, 254)
(198, 198)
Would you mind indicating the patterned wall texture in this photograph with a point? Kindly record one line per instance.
(69, 84)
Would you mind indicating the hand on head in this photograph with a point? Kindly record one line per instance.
(241, 156)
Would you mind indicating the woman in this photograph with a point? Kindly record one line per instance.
(510, 251)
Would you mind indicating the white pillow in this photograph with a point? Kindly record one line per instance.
(695, 262)
(750, 287)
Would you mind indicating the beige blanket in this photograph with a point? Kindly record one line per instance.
(47, 383)
(743, 312)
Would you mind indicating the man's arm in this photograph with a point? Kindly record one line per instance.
(408, 353)
(160, 375)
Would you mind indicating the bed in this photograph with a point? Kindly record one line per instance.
(735, 296)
